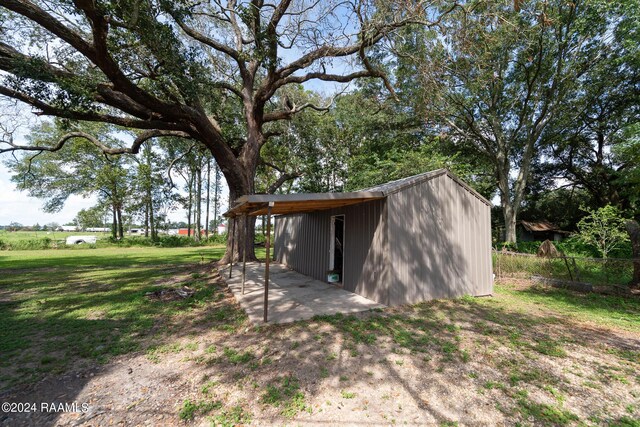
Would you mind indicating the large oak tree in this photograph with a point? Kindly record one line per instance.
(498, 77)
(183, 68)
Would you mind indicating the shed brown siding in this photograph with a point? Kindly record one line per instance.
(439, 242)
(302, 242)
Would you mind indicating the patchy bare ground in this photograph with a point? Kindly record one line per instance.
(518, 357)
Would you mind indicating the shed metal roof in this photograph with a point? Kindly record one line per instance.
(541, 226)
(257, 204)
(400, 184)
(538, 226)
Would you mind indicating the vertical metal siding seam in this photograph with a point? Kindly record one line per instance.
(318, 248)
(462, 237)
(306, 255)
(476, 256)
(486, 247)
(314, 232)
(385, 246)
(456, 236)
(488, 260)
(471, 244)
(468, 253)
(481, 238)
(482, 249)
(310, 265)
(467, 243)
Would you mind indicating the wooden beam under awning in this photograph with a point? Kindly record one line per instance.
(282, 204)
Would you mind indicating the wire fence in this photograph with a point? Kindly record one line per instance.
(580, 273)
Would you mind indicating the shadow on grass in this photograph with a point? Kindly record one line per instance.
(55, 323)
(99, 314)
(89, 314)
(430, 333)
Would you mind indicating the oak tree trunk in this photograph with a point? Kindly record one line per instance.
(243, 237)
(216, 198)
(510, 220)
(509, 208)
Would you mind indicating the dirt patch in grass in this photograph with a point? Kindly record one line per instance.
(170, 294)
(519, 357)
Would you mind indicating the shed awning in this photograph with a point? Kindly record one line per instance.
(257, 204)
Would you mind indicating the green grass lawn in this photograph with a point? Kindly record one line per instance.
(66, 309)
(107, 257)
(604, 310)
(61, 306)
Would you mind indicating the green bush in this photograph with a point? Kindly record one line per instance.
(174, 241)
(576, 248)
(218, 238)
(163, 241)
(131, 241)
(27, 244)
(604, 230)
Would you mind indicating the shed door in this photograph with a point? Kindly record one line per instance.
(336, 247)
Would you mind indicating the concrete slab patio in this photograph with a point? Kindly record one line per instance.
(292, 296)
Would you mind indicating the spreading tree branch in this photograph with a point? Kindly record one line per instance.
(287, 114)
(133, 149)
(284, 176)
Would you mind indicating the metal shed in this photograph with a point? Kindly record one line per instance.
(428, 237)
(419, 238)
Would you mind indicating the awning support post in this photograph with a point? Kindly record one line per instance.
(244, 251)
(267, 246)
(233, 232)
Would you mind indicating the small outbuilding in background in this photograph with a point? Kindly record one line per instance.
(415, 239)
(529, 231)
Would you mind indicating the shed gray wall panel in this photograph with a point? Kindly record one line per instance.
(439, 242)
(302, 242)
(364, 266)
